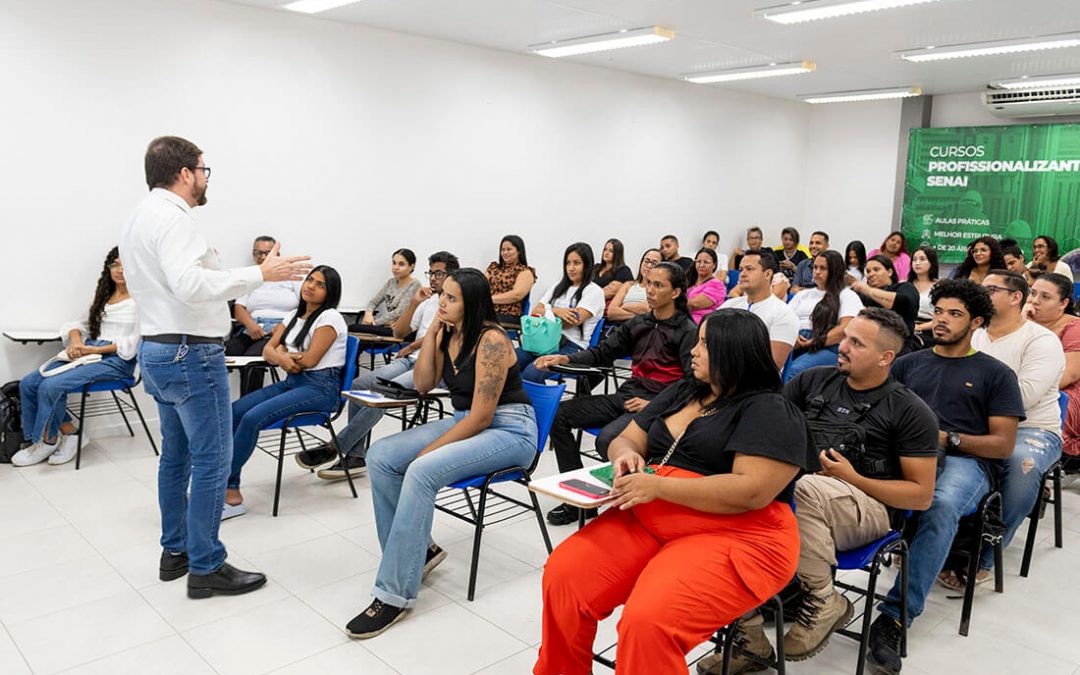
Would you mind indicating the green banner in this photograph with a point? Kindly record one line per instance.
(1014, 182)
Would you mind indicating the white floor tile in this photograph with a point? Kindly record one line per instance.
(315, 563)
(11, 661)
(451, 578)
(168, 656)
(52, 588)
(515, 606)
(256, 532)
(522, 662)
(341, 600)
(43, 547)
(347, 658)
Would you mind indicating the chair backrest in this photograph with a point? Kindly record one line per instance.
(526, 305)
(1076, 291)
(1063, 403)
(732, 279)
(545, 400)
(352, 354)
(594, 339)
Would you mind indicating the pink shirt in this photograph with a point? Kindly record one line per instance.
(714, 290)
(902, 264)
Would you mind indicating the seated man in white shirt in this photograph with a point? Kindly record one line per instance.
(417, 317)
(756, 272)
(258, 312)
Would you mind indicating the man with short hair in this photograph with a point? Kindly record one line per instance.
(1036, 356)
(416, 318)
(1014, 261)
(173, 274)
(669, 251)
(878, 445)
(978, 405)
(756, 272)
(804, 271)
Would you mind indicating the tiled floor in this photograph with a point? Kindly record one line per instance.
(79, 590)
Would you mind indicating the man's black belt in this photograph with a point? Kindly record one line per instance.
(178, 338)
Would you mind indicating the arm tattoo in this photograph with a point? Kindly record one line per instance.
(492, 353)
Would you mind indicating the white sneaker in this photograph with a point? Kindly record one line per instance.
(232, 511)
(69, 445)
(35, 454)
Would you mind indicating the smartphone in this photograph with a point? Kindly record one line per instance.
(583, 488)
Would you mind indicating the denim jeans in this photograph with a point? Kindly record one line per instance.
(403, 487)
(1021, 479)
(826, 356)
(44, 399)
(306, 391)
(191, 387)
(957, 493)
(362, 418)
(530, 373)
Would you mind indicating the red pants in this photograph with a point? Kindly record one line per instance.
(681, 573)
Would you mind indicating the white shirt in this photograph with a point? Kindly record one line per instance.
(335, 355)
(592, 300)
(272, 300)
(636, 293)
(779, 318)
(173, 273)
(422, 318)
(1038, 359)
(119, 325)
(806, 300)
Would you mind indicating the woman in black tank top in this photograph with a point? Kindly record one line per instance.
(493, 428)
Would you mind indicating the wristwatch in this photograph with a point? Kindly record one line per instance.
(952, 441)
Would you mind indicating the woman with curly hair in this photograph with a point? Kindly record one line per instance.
(983, 254)
(110, 330)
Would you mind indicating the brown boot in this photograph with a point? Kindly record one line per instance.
(749, 640)
(818, 618)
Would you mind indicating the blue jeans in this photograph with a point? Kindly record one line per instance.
(362, 418)
(826, 356)
(306, 391)
(44, 399)
(403, 487)
(1021, 479)
(957, 493)
(530, 373)
(191, 387)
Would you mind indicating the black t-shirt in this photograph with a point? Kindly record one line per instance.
(683, 262)
(795, 260)
(758, 423)
(621, 274)
(906, 304)
(898, 425)
(964, 392)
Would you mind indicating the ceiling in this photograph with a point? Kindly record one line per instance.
(853, 52)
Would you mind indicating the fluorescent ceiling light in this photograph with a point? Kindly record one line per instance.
(861, 95)
(813, 10)
(1029, 44)
(316, 6)
(753, 73)
(1041, 82)
(634, 37)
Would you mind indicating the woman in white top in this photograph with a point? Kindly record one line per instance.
(629, 300)
(310, 346)
(110, 330)
(823, 312)
(1045, 257)
(576, 301)
(923, 276)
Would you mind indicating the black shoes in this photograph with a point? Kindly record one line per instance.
(357, 467)
(313, 459)
(564, 514)
(172, 566)
(374, 620)
(884, 651)
(435, 555)
(225, 580)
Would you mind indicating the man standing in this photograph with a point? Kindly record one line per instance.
(757, 269)
(669, 250)
(173, 275)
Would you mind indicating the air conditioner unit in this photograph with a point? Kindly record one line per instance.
(1033, 102)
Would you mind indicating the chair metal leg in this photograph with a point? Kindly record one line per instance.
(120, 408)
(341, 458)
(729, 644)
(1033, 528)
(1056, 475)
(280, 463)
(142, 420)
(969, 586)
(868, 611)
(778, 619)
(82, 424)
(476, 543)
(540, 520)
(904, 557)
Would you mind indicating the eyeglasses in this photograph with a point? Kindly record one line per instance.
(649, 263)
(204, 169)
(437, 274)
(990, 288)
(260, 254)
(116, 265)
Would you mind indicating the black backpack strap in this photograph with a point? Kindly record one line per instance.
(831, 388)
(863, 409)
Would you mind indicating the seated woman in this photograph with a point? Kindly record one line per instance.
(493, 428)
(384, 308)
(705, 292)
(310, 346)
(611, 272)
(709, 536)
(983, 255)
(711, 239)
(630, 300)
(855, 255)
(511, 279)
(790, 253)
(895, 247)
(754, 240)
(882, 288)
(923, 276)
(1050, 305)
(823, 313)
(576, 301)
(1046, 258)
(111, 329)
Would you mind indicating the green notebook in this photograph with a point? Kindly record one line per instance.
(606, 474)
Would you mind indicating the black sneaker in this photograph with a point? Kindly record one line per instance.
(374, 620)
(435, 555)
(564, 514)
(357, 467)
(884, 652)
(313, 459)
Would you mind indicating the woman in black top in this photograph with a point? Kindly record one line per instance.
(611, 272)
(706, 538)
(493, 428)
(883, 288)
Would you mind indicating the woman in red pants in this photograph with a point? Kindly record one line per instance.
(706, 538)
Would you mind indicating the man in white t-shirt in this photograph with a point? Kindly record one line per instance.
(756, 272)
(1036, 356)
(416, 318)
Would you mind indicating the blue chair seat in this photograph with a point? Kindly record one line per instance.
(858, 558)
(593, 431)
(478, 481)
(112, 385)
